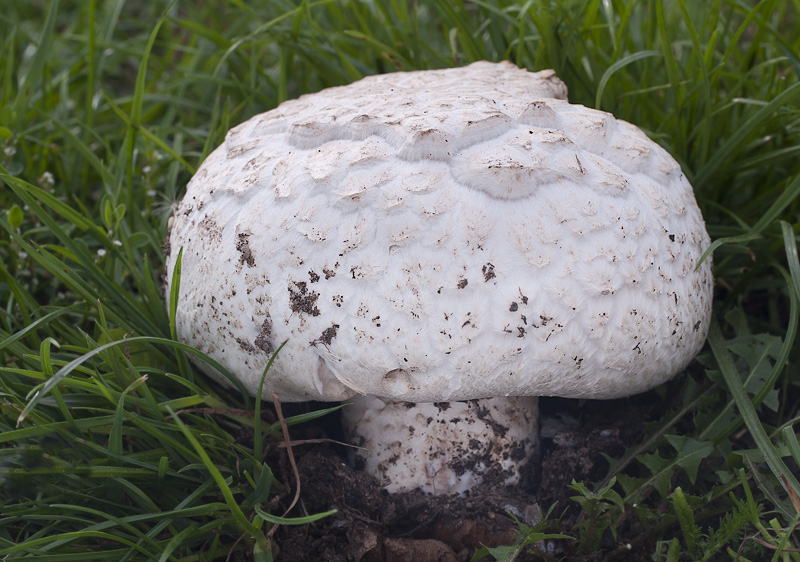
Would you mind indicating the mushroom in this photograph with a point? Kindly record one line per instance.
(439, 248)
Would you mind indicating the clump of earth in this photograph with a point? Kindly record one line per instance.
(373, 526)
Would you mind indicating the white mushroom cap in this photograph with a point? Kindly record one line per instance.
(443, 235)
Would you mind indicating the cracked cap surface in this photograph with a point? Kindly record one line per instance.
(443, 235)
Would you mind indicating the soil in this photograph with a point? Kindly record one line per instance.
(373, 526)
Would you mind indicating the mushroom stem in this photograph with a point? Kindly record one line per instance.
(443, 447)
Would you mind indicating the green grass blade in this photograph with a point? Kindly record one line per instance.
(35, 325)
(258, 441)
(75, 363)
(293, 520)
(622, 63)
(748, 413)
(246, 526)
(40, 58)
(744, 133)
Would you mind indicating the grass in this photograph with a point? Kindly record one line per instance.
(106, 109)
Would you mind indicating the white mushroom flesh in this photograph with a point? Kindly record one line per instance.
(443, 447)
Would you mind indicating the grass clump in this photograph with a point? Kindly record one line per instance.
(106, 109)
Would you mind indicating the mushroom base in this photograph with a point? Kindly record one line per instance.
(443, 447)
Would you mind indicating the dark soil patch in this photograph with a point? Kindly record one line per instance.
(373, 526)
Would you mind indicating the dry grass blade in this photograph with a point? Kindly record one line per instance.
(792, 494)
(316, 442)
(763, 543)
(292, 462)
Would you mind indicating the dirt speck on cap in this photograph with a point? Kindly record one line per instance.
(210, 228)
(328, 334)
(243, 246)
(246, 345)
(303, 300)
(262, 340)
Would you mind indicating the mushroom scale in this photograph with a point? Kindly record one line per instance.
(442, 235)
